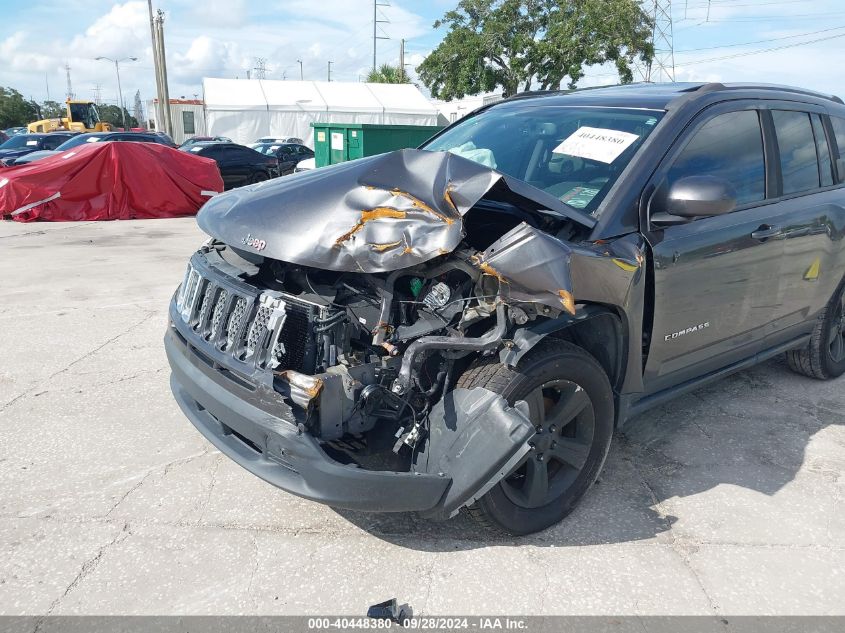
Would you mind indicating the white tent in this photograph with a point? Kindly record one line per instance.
(246, 109)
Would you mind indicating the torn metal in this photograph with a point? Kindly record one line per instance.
(375, 214)
(354, 296)
(477, 439)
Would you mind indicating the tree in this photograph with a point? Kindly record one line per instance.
(387, 74)
(53, 110)
(15, 110)
(111, 114)
(523, 43)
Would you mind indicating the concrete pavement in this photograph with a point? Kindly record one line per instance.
(728, 500)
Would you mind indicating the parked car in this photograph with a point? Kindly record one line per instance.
(23, 144)
(276, 139)
(205, 139)
(305, 165)
(288, 154)
(97, 137)
(466, 325)
(13, 131)
(238, 165)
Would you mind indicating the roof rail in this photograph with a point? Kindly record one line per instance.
(534, 93)
(792, 89)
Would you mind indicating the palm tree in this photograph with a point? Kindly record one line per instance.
(387, 74)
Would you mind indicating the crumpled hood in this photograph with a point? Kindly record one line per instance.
(374, 214)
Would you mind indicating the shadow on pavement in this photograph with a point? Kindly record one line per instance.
(748, 430)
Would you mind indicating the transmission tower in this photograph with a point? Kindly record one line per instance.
(260, 68)
(97, 94)
(662, 67)
(70, 94)
(376, 27)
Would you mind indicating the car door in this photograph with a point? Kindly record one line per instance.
(809, 212)
(716, 279)
(218, 153)
(232, 168)
(287, 159)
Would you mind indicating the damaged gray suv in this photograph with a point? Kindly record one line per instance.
(465, 325)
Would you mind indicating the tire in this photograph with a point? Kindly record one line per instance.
(258, 177)
(555, 378)
(824, 356)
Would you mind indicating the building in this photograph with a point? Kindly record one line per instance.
(187, 116)
(451, 111)
(247, 109)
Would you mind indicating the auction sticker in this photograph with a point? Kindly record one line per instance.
(595, 143)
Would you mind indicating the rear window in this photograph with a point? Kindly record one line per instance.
(798, 161)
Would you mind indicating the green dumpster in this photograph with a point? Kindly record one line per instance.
(338, 142)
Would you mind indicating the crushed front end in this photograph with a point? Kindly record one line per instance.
(318, 344)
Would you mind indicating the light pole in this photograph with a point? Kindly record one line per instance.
(301, 76)
(119, 90)
(330, 71)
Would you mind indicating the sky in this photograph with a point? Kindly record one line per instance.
(225, 38)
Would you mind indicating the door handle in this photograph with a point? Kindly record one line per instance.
(767, 231)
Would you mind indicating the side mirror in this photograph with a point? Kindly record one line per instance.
(699, 196)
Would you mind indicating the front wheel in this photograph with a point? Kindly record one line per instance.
(570, 403)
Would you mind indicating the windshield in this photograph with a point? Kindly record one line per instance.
(21, 140)
(573, 153)
(77, 141)
(85, 113)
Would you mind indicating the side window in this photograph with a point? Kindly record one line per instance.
(53, 143)
(839, 132)
(838, 125)
(729, 146)
(823, 151)
(798, 163)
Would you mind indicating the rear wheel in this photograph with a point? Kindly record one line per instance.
(824, 356)
(259, 177)
(570, 403)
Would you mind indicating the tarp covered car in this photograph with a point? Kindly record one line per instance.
(109, 181)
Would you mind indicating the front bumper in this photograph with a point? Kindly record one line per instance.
(268, 443)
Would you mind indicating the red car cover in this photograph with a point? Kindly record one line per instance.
(109, 181)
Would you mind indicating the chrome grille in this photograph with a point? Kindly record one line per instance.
(205, 307)
(233, 326)
(258, 328)
(267, 329)
(217, 315)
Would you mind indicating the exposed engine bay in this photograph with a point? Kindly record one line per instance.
(363, 329)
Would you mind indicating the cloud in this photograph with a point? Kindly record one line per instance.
(206, 57)
(219, 13)
(123, 32)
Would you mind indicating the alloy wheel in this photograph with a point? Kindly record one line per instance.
(564, 421)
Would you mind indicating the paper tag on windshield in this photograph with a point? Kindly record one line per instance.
(595, 143)
(31, 143)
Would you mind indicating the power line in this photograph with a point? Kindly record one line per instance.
(772, 39)
(765, 50)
